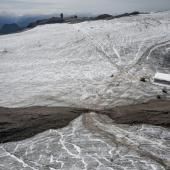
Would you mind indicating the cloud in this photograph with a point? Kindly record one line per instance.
(21, 7)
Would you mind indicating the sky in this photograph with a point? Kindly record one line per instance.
(24, 7)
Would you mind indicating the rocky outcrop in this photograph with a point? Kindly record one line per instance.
(107, 16)
(155, 112)
(104, 16)
(21, 123)
(76, 19)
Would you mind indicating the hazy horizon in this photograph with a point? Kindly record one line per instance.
(39, 7)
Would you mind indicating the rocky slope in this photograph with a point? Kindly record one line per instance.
(20, 123)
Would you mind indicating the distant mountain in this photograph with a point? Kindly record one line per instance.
(21, 21)
(51, 20)
(28, 22)
(24, 21)
(7, 19)
(76, 19)
(9, 28)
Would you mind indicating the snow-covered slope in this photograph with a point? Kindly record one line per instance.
(91, 64)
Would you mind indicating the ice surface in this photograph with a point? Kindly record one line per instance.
(73, 64)
(91, 142)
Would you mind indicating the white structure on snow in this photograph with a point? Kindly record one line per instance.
(162, 78)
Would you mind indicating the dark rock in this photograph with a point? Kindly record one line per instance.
(103, 16)
(128, 14)
(20, 123)
(155, 112)
(143, 79)
(158, 97)
(135, 13)
(111, 160)
(107, 16)
(62, 16)
(165, 91)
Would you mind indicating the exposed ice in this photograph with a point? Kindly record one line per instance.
(91, 64)
(91, 142)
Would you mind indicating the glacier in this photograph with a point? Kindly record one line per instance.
(91, 142)
(95, 65)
